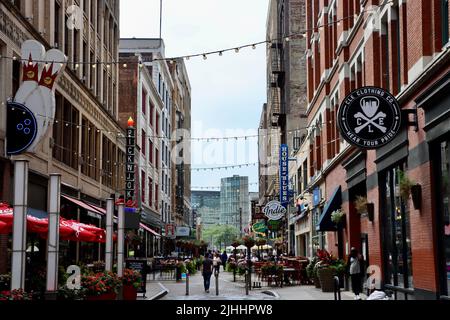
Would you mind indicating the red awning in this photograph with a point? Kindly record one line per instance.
(143, 226)
(4, 228)
(101, 210)
(81, 204)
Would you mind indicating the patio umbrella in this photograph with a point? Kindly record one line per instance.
(254, 248)
(230, 248)
(4, 228)
(266, 247)
(242, 247)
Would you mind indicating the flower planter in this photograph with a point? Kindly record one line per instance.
(326, 276)
(129, 292)
(103, 296)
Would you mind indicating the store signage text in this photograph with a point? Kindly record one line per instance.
(369, 118)
(284, 175)
(130, 171)
(274, 210)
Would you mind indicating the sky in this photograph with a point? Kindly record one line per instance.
(228, 91)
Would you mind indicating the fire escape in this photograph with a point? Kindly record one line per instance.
(277, 78)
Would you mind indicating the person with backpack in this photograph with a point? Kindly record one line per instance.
(207, 267)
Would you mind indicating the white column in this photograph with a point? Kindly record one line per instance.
(54, 208)
(120, 239)
(19, 224)
(109, 234)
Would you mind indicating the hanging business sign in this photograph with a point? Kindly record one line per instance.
(369, 118)
(170, 231)
(274, 210)
(130, 178)
(284, 175)
(259, 228)
(183, 231)
(31, 113)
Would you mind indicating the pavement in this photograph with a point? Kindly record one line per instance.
(229, 290)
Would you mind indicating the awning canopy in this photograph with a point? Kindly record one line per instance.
(143, 226)
(97, 208)
(81, 204)
(325, 223)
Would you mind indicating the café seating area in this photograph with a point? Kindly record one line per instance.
(286, 272)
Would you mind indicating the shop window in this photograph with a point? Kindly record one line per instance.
(396, 233)
(444, 212)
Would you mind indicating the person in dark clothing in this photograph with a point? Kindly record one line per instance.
(355, 267)
(224, 259)
(207, 268)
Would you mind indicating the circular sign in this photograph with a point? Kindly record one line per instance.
(274, 210)
(369, 117)
(21, 128)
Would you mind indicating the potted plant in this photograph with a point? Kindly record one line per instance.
(337, 217)
(325, 271)
(180, 269)
(361, 204)
(311, 271)
(248, 241)
(131, 281)
(101, 286)
(16, 295)
(65, 293)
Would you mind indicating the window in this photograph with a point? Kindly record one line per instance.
(90, 148)
(157, 158)
(157, 125)
(57, 25)
(156, 196)
(143, 143)
(445, 21)
(65, 136)
(150, 192)
(144, 101)
(152, 111)
(15, 76)
(443, 210)
(150, 151)
(108, 158)
(143, 180)
(396, 233)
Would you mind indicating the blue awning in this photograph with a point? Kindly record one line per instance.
(335, 202)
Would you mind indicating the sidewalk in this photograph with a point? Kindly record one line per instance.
(229, 290)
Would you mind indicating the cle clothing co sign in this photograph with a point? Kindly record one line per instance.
(369, 118)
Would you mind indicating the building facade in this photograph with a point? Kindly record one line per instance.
(207, 207)
(234, 202)
(84, 144)
(400, 46)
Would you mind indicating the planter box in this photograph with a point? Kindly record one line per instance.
(326, 276)
(129, 293)
(317, 282)
(103, 296)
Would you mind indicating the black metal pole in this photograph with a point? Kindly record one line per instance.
(216, 273)
(246, 282)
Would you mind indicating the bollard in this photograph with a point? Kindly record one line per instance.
(246, 282)
(337, 289)
(216, 274)
(187, 283)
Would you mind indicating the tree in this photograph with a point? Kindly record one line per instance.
(219, 235)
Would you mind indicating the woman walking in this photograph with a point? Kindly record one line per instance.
(355, 267)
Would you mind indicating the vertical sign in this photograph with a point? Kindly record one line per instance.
(284, 175)
(130, 170)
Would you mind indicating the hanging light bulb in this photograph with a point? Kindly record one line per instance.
(220, 53)
(236, 50)
(77, 66)
(94, 66)
(254, 46)
(287, 39)
(205, 57)
(125, 65)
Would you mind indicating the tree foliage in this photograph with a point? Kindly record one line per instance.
(220, 235)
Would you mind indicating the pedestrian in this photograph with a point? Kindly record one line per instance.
(216, 262)
(224, 259)
(355, 267)
(207, 271)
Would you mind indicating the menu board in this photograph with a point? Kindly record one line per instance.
(141, 266)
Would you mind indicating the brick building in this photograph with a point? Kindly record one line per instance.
(401, 46)
(84, 143)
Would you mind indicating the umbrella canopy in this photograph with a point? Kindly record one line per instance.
(242, 247)
(266, 247)
(255, 247)
(230, 248)
(4, 228)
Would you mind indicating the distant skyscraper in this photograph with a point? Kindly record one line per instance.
(207, 207)
(234, 198)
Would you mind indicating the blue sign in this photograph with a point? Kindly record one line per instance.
(21, 128)
(316, 197)
(284, 175)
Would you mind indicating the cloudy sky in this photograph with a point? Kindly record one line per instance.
(227, 92)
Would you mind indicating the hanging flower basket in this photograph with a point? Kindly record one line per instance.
(338, 217)
(248, 241)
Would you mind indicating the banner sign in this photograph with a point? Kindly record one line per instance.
(130, 170)
(316, 196)
(284, 175)
(274, 210)
(32, 112)
(369, 118)
(183, 231)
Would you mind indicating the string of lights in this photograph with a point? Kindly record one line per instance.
(301, 34)
(218, 187)
(173, 138)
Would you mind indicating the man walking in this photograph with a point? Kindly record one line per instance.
(207, 272)
(224, 259)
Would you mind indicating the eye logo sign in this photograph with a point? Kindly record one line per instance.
(369, 118)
